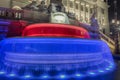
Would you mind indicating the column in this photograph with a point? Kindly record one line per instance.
(89, 14)
(106, 21)
(71, 6)
(48, 2)
(67, 6)
(99, 17)
(74, 6)
(65, 3)
(80, 10)
(84, 12)
(11, 3)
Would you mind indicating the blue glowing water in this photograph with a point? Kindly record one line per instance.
(55, 58)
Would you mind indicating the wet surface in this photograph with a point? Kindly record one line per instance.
(117, 72)
(111, 76)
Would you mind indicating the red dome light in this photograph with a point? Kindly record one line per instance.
(55, 30)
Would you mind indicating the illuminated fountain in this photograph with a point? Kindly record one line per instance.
(55, 50)
(55, 55)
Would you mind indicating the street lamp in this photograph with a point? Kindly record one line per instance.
(113, 21)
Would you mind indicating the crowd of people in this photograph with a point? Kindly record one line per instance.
(42, 7)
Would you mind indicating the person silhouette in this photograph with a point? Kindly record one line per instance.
(56, 6)
(52, 8)
(31, 6)
(42, 7)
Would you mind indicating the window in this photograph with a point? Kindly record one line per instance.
(71, 4)
(86, 9)
(76, 5)
(65, 2)
(81, 7)
(102, 11)
(91, 10)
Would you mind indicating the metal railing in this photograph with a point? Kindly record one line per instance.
(106, 38)
(10, 13)
(109, 41)
(34, 16)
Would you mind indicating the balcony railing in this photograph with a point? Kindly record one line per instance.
(109, 41)
(10, 13)
(106, 38)
(35, 16)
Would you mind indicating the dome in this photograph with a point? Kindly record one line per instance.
(17, 8)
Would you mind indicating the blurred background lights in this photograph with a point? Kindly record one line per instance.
(12, 75)
(2, 72)
(45, 76)
(107, 68)
(62, 76)
(91, 73)
(101, 71)
(27, 76)
(78, 75)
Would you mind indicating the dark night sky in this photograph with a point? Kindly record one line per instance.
(111, 9)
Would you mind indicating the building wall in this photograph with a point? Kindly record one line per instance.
(5, 3)
(84, 9)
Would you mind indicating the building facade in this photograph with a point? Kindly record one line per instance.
(83, 9)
